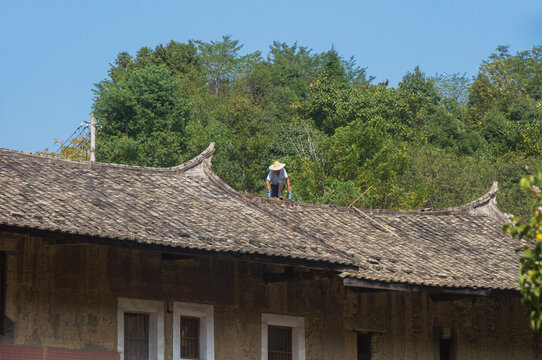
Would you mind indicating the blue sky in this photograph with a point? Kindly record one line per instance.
(54, 51)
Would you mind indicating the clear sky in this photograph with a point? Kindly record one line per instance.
(54, 51)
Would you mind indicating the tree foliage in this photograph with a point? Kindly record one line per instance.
(76, 148)
(430, 142)
(142, 119)
(223, 63)
(530, 229)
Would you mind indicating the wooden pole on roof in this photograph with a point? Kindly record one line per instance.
(359, 197)
(331, 193)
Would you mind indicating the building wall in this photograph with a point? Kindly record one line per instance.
(65, 297)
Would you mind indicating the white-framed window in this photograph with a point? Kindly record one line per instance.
(282, 334)
(140, 329)
(193, 331)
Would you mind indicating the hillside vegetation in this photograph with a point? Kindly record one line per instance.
(432, 142)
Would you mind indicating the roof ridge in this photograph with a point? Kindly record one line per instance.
(486, 205)
(43, 156)
(477, 207)
(424, 212)
(208, 152)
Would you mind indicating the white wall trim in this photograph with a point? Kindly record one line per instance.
(298, 333)
(207, 333)
(155, 309)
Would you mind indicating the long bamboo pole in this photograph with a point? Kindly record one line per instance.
(359, 197)
(325, 201)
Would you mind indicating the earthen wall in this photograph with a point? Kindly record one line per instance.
(63, 297)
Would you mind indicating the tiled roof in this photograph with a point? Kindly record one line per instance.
(189, 207)
(448, 248)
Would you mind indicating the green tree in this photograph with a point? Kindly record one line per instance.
(281, 82)
(419, 96)
(504, 79)
(355, 74)
(453, 88)
(224, 63)
(331, 104)
(292, 66)
(417, 83)
(250, 136)
(530, 230)
(142, 119)
(331, 66)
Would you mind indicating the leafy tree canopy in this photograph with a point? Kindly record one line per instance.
(338, 132)
(431, 142)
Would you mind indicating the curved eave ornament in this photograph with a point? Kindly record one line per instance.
(486, 205)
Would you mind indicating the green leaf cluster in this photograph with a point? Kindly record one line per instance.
(530, 229)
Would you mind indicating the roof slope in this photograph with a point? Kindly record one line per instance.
(188, 206)
(179, 206)
(451, 249)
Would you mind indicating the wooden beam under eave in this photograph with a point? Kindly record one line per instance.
(173, 257)
(64, 244)
(448, 297)
(432, 290)
(296, 276)
(320, 265)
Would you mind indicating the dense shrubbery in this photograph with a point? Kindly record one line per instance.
(431, 142)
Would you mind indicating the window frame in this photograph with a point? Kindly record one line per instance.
(142, 338)
(155, 309)
(298, 333)
(197, 339)
(205, 313)
(290, 349)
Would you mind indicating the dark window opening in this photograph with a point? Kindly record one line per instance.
(364, 346)
(445, 346)
(136, 336)
(279, 343)
(189, 337)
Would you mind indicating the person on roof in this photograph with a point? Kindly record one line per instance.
(275, 181)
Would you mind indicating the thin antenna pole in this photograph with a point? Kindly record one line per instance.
(92, 137)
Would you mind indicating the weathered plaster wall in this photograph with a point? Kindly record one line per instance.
(65, 296)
